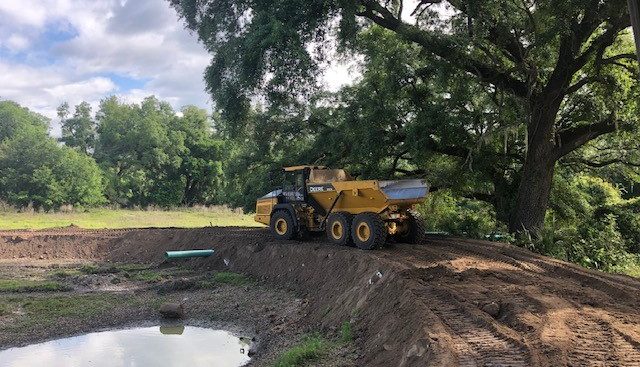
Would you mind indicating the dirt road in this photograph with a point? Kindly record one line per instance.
(445, 302)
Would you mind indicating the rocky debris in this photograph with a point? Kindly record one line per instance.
(171, 310)
(492, 308)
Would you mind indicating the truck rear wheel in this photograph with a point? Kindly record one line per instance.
(368, 231)
(339, 228)
(417, 231)
(282, 225)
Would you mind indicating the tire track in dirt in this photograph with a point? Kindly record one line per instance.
(596, 343)
(627, 349)
(476, 344)
(481, 344)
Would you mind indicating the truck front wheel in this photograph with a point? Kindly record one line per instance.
(282, 225)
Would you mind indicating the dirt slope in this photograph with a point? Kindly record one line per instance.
(445, 302)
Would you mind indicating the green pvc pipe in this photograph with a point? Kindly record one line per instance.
(187, 253)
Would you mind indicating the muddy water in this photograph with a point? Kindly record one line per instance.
(148, 346)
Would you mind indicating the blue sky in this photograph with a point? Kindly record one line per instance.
(53, 51)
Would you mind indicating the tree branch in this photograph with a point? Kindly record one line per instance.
(481, 196)
(600, 43)
(444, 48)
(621, 56)
(582, 82)
(417, 172)
(571, 139)
(609, 162)
(421, 3)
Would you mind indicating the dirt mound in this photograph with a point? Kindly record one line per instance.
(446, 302)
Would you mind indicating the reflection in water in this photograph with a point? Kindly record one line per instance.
(172, 329)
(172, 345)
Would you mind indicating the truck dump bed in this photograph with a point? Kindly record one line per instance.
(368, 195)
(404, 189)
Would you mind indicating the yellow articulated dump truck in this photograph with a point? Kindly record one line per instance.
(351, 212)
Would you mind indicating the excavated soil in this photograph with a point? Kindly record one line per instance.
(448, 301)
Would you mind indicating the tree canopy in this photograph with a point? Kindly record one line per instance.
(556, 75)
(79, 130)
(17, 119)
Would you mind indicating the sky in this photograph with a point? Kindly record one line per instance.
(53, 51)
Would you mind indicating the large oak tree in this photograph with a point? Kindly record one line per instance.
(556, 58)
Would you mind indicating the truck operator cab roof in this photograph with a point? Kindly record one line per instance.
(300, 168)
(322, 174)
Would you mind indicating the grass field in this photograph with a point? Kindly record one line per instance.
(121, 218)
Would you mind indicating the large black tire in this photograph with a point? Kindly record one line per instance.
(282, 225)
(368, 231)
(339, 228)
(417, 231)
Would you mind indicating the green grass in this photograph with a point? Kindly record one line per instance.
(133, 267)
(346, 334)
(19, 285)
(633, 270)
(46, 311)
(121, 218)
(4, 309)
(311, 348)
(65, 273)
(227, 277)
(135, 272)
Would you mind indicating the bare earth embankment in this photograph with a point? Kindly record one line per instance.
(445, 302)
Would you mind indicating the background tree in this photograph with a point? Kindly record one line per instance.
(78, 131)
(35, 170)
(153, 157)
(549, 59)
(15, 119)
(202, 161)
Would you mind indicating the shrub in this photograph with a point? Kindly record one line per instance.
(627, 214)
(599, 246)
(445, 212)
(311, 348)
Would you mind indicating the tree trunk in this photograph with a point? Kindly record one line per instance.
(533, 194)
(537, 172)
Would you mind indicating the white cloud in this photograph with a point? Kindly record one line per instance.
(94, 86)
(32, 13)
(16, 42)
(75, 50)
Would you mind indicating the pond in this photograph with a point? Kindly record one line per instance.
(175, 345)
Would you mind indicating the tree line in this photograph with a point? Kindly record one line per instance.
(141, 155)
(130, 155)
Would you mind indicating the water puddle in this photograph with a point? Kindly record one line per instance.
(168, 345)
